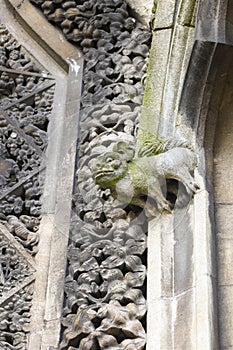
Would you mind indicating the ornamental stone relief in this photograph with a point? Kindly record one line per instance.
(26, 97)
(105, 294)
(105, 290)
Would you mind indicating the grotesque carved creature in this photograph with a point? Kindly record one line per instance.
(131, 180)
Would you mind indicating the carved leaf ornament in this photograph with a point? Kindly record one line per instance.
(105, 285)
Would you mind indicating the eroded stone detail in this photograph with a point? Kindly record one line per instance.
(105, 287)
(26, 97)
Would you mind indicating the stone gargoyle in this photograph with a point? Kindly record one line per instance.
(142, 180)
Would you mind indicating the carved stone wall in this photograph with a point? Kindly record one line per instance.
(105, 286)
(107, 250)
(26, 98)
(105, 295)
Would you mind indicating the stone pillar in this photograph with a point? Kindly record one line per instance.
(181, 277)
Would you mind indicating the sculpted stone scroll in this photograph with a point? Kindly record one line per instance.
(141, 180)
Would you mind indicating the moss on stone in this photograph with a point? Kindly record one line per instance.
(154, 9)
(139, 178)
(150, 144)
(187, 13)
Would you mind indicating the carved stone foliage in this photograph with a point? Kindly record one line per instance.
(17, 269)
(105, 298)
(105, 303)
(15, 320)
(14, 266)
(114, 44)
(26, 97)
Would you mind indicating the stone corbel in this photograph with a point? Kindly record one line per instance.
(143, 180)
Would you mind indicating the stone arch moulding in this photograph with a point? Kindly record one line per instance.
(213, 128)
(183, 291)
(59, 66)
(205, 98)
(215, 21)
(218, 145)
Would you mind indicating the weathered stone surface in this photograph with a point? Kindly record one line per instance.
(164, 14)
(223, 208)
(183, 250)
(225, 256)
(142, 8)
(215, 22)
(225, 316)
(172, 43)
(184, 319)
(107, 239)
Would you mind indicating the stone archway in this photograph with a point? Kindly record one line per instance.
(223, 200)
(218, 149)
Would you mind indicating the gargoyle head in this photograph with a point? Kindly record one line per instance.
(108, 169)
(111, 167)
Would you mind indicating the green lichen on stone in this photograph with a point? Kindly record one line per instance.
(187, 14)
(150, 144)
(109, 182)
(150, 81)
(139, 177)
(109, 169)
(148, 120)
(154, 9)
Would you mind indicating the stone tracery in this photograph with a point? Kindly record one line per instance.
(26, 97)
